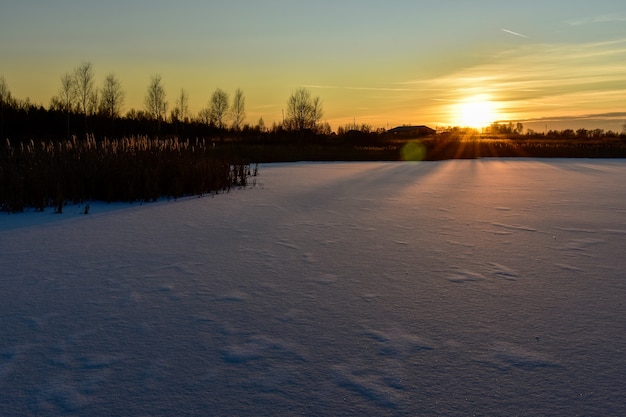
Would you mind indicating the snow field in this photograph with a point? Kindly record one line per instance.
(486, 287)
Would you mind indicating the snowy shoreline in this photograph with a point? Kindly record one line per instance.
(487, 287)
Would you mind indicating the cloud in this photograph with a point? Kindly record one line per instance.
(540, 80)
(530, 81)
(514, 33)
(594, 116)
(613, 121)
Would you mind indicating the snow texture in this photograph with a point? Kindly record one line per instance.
(478, 287)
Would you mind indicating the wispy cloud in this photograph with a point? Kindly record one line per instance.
(531, 81)
(593, 116)
(540, 80)
(514, 33)
(613, 121)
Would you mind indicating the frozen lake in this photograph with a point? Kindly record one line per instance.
(475, 287)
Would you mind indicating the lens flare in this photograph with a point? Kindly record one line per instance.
(413, 151)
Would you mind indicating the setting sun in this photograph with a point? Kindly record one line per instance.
(374, 66)
(477, 111)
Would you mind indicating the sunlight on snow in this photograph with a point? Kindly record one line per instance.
(461, 287)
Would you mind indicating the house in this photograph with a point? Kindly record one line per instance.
(411, 131)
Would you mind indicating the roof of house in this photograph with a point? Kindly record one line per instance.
(407, 129)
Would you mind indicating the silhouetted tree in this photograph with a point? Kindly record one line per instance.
(140, 115)
(94, 102)
(237, 111)
(4, 90)
(156, 106)
(354, 127)
(303, 112)
(503, 129)
(317, 112)
(182, 106)
(5, 96)
(112, 98)
(84, 87)
(219, 107)
(180, 112)
(582, 133)
(204, 116)
(597, 133)
(67, 96)
(323, 128)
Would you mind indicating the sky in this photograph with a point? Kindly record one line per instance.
(548, 64)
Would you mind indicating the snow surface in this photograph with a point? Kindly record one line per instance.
(475, 287)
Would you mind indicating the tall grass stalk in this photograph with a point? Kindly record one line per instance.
(41, 174)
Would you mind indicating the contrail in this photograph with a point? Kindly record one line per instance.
(514, 33)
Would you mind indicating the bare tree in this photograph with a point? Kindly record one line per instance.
(67, 92)
(94, 102)
(238, 109)
(303, 112)
(112, 98)
(182, 106)
(323, 128)
(84, 87)
(204, 116)
(5, 97)
(316, 111)
(67, 97)
(219, 107)
(156, 106)
(5, 94)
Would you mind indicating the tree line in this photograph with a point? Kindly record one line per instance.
(86, 108)
(82, 108)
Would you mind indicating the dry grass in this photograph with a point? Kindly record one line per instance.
(43, 174)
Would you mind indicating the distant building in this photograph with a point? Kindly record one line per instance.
(411, 131)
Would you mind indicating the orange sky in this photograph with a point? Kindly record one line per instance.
(547, 64)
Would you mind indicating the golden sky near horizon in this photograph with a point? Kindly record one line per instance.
(548, 64)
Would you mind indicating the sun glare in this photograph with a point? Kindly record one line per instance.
(477, 111)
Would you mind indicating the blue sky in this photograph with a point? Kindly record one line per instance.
(382, 63)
